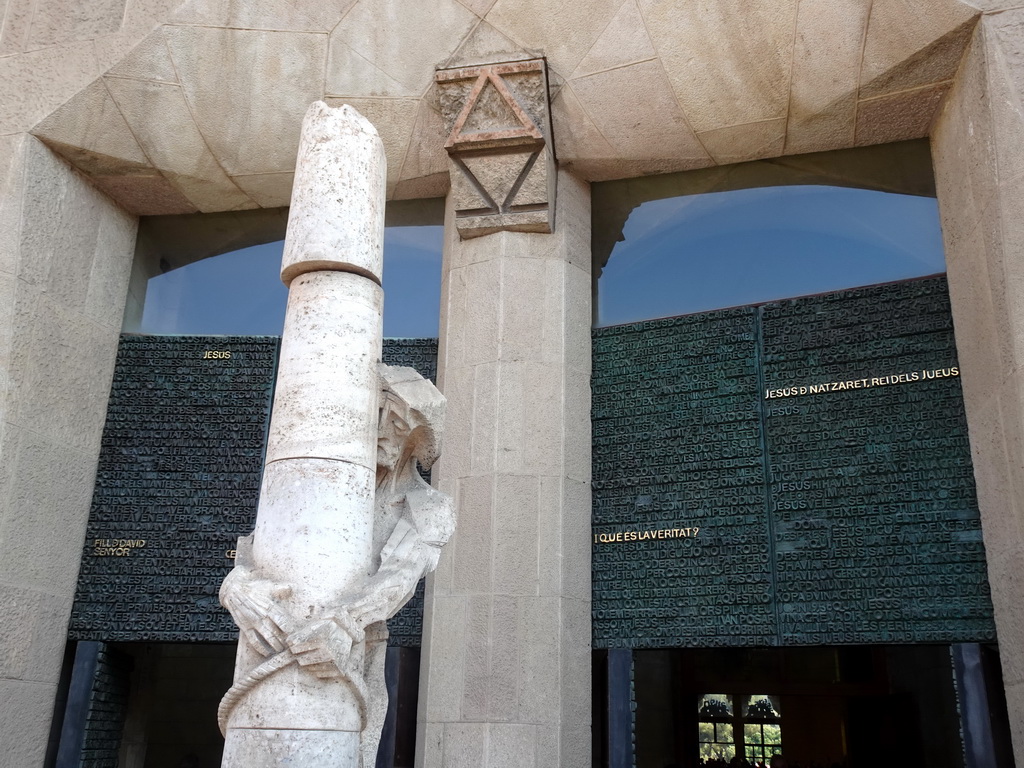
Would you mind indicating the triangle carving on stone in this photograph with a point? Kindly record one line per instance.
(496, 173)
(498, 178)
(472, 195)
(492, 114)
(531, 187)
(498, 123)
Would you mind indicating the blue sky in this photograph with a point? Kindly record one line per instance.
(241, 293)
(691, 254)
(680, 255)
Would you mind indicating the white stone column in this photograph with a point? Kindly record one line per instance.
(314, 527)
(978, 151)
(506, 649)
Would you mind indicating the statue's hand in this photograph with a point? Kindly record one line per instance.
(271, 630)
(324, 647)
(253, 606)
(370, 608)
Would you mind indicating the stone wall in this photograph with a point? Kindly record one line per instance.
(980, 178)
(637, 87)
(64, 254)
(65, 257)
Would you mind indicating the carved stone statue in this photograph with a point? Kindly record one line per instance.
(412, 522)
(345, 526)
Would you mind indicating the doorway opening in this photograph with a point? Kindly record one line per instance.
(819, 707)
(154, 705)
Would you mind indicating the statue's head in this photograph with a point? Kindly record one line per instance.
(411, 418)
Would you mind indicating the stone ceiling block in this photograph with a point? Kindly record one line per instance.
(260, 14)
(740, 143)
(563, 31)
(350, 73)
(434, 30)
(905, 115)
(149, 60)
(484, 45)
(479, 7)
(96, 123)
(65, 21)
(143, 191)
(825, 79)
(729, 61)
(642, 76)
(35, 84)
(425, 158)
(581, 146)
(125, 175)
(624, 41)
(268, 190)
(616, 99)
(141, 17)
(15, 25)
(422, 187)
(898, 29)
(991, 5)
(174, 144)
(263, 14)
(830, 127)
(248, 90)
(935, 63)
(139, 188)
(499, 142)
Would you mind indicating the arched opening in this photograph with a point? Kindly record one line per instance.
(197, 363)
(765, 382)
(697, 253)
(221, 284)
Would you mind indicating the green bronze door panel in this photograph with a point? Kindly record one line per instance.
(680, 550)
(794, 473)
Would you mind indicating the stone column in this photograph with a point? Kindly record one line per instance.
(978, 151)
(314, 527)
(505, 676)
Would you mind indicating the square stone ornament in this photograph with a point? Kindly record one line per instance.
(500, 148)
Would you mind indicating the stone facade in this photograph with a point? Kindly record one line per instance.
(979, 167)
(116, 109)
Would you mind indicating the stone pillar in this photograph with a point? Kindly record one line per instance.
(978, 151)
(314, 527)
(65, 258)
(506, 668)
